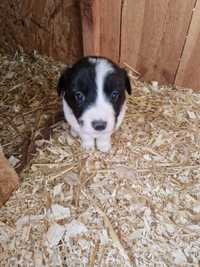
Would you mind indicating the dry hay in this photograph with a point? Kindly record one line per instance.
(27, 103)
(137, 206)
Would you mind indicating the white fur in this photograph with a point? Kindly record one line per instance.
(93, 60)
(100, 110)
(103, 142)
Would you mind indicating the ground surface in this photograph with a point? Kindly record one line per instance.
(137, 206)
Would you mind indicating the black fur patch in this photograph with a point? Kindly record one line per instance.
(115, 82)
(80, 78)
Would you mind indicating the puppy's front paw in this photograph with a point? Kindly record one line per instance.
(104, 145)
(88, 146)
(73, 133)
(87, 143)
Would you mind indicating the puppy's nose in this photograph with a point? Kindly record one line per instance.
(99, 125)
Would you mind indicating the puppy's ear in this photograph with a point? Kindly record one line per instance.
(127, 82)
(61, 85)
(63, 81)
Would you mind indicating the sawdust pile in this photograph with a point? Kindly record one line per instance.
(137, 206)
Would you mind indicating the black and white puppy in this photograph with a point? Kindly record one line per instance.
(94, 100)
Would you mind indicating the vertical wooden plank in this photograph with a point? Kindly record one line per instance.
(132, 24)
(90, 13)
(110, 28)
(153, 35)
(101, 24)
(188, 74)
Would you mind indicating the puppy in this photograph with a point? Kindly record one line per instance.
(94, 100)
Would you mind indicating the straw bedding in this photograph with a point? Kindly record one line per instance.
(139, 205)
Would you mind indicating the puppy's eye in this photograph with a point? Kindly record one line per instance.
(80, 98)
(115, 95)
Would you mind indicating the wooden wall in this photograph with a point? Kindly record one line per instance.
(158, 38)
(53, 27)
(188, 74)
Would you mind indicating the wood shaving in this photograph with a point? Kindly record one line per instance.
(73, 229)
(13, 161)
(54, 234)
(58, 212)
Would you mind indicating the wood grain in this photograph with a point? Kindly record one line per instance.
(110, 28)
(153, 36)
(51, 27)
(90, 13)
(9, 180)
(101, 27)
(188, 74)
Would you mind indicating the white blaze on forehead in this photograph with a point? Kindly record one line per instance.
(92, 60)
(102, 68)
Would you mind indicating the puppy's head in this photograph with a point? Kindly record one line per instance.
(94, 90)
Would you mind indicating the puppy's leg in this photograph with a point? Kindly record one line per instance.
(73, 133)
(87, 142)
(104, 143)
